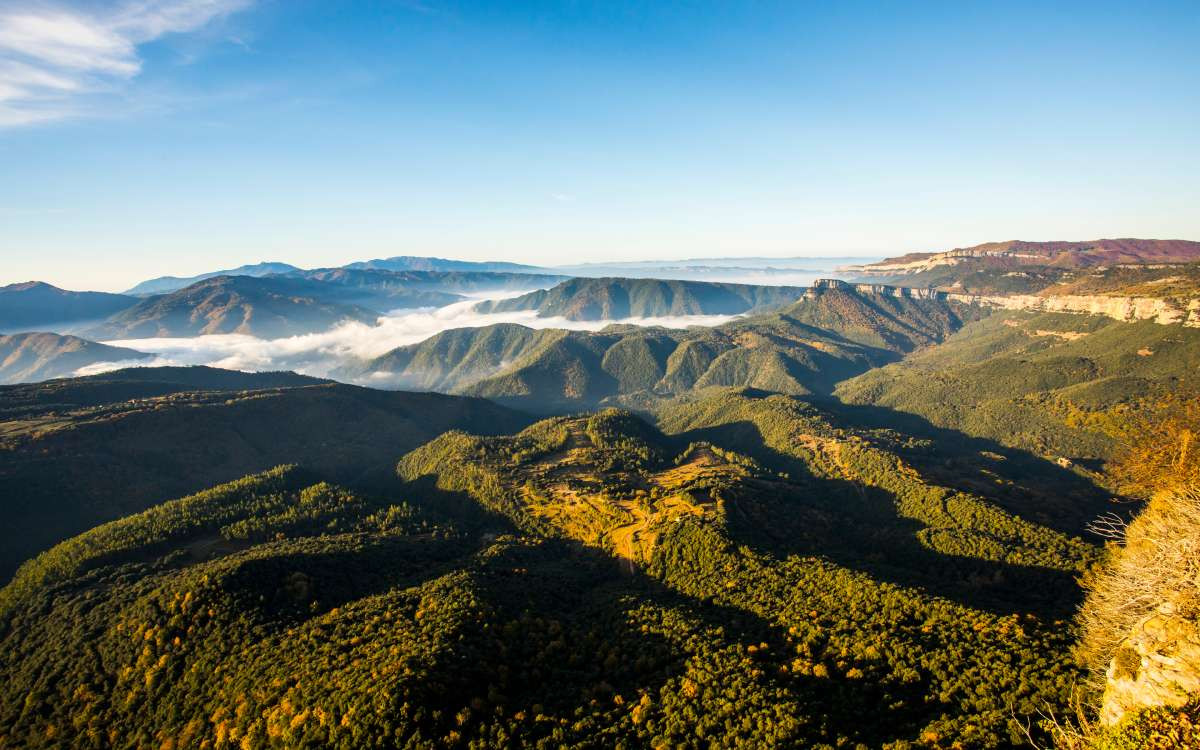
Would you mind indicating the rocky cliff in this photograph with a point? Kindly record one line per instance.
(1163, 310)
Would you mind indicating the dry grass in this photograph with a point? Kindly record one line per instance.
(1160, 562)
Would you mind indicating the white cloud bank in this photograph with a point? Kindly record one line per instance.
(321, 354)
(52, 54)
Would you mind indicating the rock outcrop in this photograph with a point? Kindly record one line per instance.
(906, 292)
(1162, 310)
(1158, 664)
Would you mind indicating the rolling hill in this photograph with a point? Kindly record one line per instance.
(166, 284)
(589, 579)
(37, 306)
(617, 299)
(27, 357)
(83, 451)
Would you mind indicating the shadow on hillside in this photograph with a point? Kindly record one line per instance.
(1018, 481)
(292, 580)
(862, 528)
(570, 629)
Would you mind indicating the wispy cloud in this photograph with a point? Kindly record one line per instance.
(53, 55)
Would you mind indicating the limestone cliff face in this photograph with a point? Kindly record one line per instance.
(1158, 664)
(1164, 311)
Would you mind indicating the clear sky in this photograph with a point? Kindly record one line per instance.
(142, 138)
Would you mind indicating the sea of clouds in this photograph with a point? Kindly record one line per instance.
(324, 354)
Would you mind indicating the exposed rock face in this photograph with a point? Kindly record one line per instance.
(1160, 310)
(1165, 311)
(820, 285)
(1158, 664)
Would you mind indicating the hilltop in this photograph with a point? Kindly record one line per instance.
(618, 299)
(26, 357)
(34, 305)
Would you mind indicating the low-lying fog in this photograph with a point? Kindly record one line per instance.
(322, 354)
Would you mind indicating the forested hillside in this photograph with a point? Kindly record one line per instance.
(859, 521)
(587, 580)
(78, 452)
(1060, 385)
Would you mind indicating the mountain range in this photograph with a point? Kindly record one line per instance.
(165, 284)
(830, 334)
(855, 514)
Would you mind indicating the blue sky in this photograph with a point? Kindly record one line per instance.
(141, 138)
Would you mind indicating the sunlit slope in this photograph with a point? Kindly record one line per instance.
(1058, 384)
(29, 357)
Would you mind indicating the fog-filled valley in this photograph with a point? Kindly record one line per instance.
(326, 322)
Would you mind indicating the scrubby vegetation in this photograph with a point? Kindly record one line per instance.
(1159, 562)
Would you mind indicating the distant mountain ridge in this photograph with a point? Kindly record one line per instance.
(385, 290)
(618, 299)
(26, 357)
(421, 263)
(35, 305)
(269, 307)
(1055, 253)
(166, 284)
